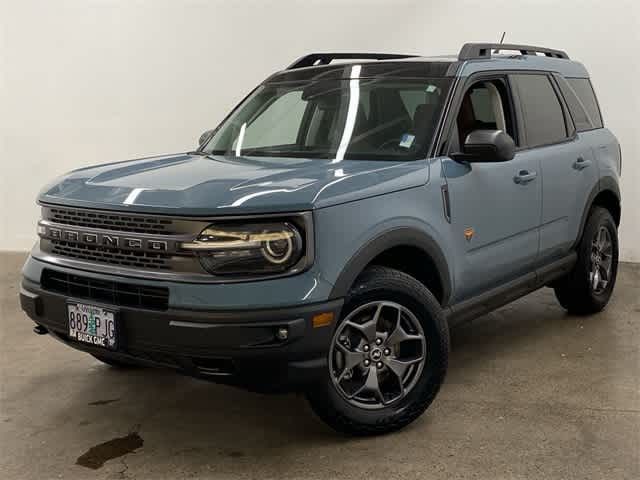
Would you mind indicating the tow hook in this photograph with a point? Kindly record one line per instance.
(40, 330)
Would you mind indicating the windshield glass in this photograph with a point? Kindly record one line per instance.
(356, 118)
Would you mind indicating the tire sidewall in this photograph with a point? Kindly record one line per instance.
(598, 218)
(427, 310)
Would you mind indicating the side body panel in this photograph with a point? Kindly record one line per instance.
(572, 177)
(569, 173)
(607, 152)
(607, 155)
(494, 222)
(562, 198)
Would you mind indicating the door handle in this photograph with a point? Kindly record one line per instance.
(524, 176)
(581, 163)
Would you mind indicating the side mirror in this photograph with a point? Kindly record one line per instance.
(205, 137)
(487, 146)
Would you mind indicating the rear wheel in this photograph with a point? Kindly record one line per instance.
(388, 356)
(588, 288)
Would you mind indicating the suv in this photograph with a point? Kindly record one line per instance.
(325, 236)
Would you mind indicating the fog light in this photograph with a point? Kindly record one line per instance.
(282, 334)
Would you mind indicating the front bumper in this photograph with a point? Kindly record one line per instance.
(236, 347)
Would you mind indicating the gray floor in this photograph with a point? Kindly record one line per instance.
(531, 393)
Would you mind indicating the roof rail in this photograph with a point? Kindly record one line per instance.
(470, 51)
(326, 58)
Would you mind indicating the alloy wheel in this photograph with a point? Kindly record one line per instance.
(377, 354)
(601, 261)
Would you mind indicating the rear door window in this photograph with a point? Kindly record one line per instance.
(584, 91)
(544, 121)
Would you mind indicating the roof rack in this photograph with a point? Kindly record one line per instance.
(326, 58)
(470, 51)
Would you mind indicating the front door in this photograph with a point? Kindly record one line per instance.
(494, 207)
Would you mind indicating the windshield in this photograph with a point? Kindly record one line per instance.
(356, 118)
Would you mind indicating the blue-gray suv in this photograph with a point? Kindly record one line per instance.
(325, 236)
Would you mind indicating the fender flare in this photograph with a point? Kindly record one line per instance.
(607, 183)
(398, 237)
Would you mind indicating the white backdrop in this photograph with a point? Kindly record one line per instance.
(90, 81)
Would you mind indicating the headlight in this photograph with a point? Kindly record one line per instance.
(229, 249)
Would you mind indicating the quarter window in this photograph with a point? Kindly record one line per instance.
(544, 121)
(583, 89)
(581, 118)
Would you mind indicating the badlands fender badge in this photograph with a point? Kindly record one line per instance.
(468, 233)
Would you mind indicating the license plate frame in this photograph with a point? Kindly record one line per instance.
(94, 332)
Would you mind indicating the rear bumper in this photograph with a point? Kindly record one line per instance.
(236, 347)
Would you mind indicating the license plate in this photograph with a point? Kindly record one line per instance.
(92, 325)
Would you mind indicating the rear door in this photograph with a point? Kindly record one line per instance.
(567, 163)
(591, 134)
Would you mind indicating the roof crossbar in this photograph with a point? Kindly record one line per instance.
(326, 58)
(470, 51)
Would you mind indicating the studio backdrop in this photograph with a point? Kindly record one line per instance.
(92, 81)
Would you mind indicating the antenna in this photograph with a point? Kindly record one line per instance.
(501, 40)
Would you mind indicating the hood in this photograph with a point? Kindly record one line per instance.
(188, 184)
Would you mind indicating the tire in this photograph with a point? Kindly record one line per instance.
(412, 302)
(576, 292)
(112, 362)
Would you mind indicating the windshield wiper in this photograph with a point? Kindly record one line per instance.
(263, 152)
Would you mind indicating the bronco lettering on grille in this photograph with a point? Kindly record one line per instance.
(105, 240)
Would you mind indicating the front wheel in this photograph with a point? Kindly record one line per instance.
(588, 287)
(388, 356)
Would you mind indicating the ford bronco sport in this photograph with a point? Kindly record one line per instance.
(328, 232)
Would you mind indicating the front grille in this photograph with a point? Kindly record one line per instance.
(113, 256)
(115, 293)
(111, 221)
